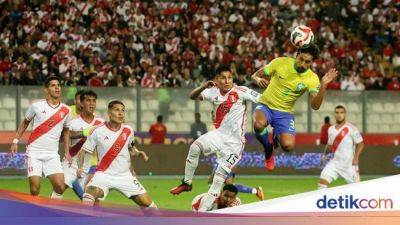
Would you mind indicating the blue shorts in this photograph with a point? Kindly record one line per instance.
(92, 170)
(282, 122)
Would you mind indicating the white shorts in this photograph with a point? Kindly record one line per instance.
(125, 183)
(47, 165)
(333, 170)
(70, 174)
(227, 149)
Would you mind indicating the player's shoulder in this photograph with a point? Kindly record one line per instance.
(331, 128)
(240, 88)
(39, 102)
(351, 126)
(282, 59)
(126, 126)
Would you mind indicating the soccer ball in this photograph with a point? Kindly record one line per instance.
(301, 36)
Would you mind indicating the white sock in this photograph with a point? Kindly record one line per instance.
(215, 189)
(192, 161)
(254, 191)
(322, 186)
(88, 199)
(55, 195)
(150, 210)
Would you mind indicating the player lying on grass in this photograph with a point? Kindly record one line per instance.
(227, 139)
(286, 79)
(227, 198)
(114, 143)
(257, 191)
(346, 143)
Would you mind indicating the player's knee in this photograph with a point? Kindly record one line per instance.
(287, 146)
(35, 190)
(59, 187)
(194, 150)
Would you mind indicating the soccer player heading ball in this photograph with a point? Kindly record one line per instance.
(285, 80)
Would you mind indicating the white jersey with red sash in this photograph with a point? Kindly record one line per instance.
(343, 141)
(229, 113)
(48, 123)
(112, 148)
(79, 124)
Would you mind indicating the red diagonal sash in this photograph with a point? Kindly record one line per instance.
(339, 138)
(47, 125)
(75, 149)
(115, 149)
(224, 108)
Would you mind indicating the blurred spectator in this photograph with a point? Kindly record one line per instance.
(197, 128)
(158, 131)
(103, 43)
(394, 85)
(324, 131)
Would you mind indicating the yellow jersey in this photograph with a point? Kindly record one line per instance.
(286, 84)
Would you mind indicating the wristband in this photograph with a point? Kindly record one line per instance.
(86, 132)
(15, 141)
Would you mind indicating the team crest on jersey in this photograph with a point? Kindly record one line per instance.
(300, 86)
(44, 111)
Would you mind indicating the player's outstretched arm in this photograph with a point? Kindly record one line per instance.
(20, 131)
(83, 156)
(259, 78)
(324, 155)
(135, 152)
(195, 94)
(317, 98)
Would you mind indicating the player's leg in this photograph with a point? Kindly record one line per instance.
(201, 145)
(97, 188)
(215, 189)
(328, 174)
(71, 180)
(257, 191)
(262, 116)
(145, 203)
(34, 172)
(52, 169)
(350, 174)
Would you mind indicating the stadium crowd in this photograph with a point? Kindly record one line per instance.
(180, 43)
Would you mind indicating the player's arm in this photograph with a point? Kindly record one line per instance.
(316, 95)
(86, 152)
(83, 133)
(67, 144)
(325, 154)
(261, 77)
(20, 131)
(134, 152)
(196, 93)
(359, 149)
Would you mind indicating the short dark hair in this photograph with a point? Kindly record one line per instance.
(222, 69)
(79, 93)
(88, 93)
(159, 118)
(114, 102)
(327, 119)
(231, 188)
(340, 107)
(311, 49)
(49, 79)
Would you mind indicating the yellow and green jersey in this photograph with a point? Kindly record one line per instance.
(286, 84)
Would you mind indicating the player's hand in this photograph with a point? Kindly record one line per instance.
(261, 82)
(143, 155)
(355, 162)
(79, 173)
(13, 149)
(329, 76)
(209, 84)
(68, 158)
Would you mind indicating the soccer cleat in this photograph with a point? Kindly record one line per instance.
(181, 188)
(260, 193)
(270, 163)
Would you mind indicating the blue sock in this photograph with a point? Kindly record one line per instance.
(77, 189)
(244, 189)
(264, 140)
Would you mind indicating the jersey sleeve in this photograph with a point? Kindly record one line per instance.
(208, 94)
(269, 70)
(90, 143)
(356, 136)
(30, 113)
(313, 86)
(330, 136)
(249, 94)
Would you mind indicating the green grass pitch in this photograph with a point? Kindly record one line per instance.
(158, 188)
